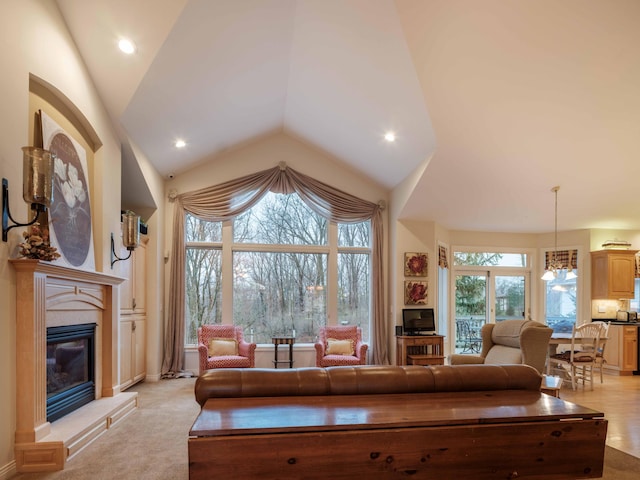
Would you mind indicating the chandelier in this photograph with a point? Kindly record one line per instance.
(554, 264)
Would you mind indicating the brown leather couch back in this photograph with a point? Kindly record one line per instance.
(363, 380)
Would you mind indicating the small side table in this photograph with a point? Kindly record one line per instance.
(551, 385)
(283, 341)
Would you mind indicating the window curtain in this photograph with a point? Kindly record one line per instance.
(637, 266)
(442, 257)
(225, 201)
(565, 257)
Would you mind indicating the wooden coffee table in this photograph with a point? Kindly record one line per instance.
(479, 435)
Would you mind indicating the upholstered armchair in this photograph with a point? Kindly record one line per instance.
(223, 346)
(511, 342)
(340, 346)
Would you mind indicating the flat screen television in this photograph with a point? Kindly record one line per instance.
(418, 321)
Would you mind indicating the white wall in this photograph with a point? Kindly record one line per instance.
(34, 40)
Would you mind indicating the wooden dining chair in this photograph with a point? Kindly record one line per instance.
(604, 336)
(580, 360)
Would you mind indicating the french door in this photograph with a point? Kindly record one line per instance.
(486, 297)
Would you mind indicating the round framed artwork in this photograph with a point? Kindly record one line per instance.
(70, 212)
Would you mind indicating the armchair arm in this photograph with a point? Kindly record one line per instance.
(246, 349)
(486, 333)
(203, 356)
(360, 351)
(319, 346)
(457, 359)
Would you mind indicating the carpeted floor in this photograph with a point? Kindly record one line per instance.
(151, 443)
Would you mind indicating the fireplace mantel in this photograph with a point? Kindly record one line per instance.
(51, 295)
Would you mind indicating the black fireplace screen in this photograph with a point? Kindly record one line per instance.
(70, 368)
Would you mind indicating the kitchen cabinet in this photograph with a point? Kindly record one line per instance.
(133, 315)
(612, 274)
(621, 351)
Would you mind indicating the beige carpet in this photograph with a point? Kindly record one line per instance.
(151, 443)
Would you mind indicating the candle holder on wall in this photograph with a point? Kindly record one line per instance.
(130, 236)
(37, 187)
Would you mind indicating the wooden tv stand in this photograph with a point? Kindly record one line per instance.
(420, 350)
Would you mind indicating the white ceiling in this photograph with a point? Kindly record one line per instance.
(510, 98)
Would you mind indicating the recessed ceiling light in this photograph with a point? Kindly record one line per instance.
(127, 46)
(390, 137)
(180, 144)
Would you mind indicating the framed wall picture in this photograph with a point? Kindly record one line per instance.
(416, 264)
(70, 213)
(415, 292)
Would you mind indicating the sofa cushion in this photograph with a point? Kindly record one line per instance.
(219, 347)
(501, 355)
(339, 347)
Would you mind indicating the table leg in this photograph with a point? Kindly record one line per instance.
(275, 355)
(291, 355)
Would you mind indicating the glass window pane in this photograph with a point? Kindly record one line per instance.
(354, 234)
(509, 297)
(280, 219)
(203, 295)
(275, 293)
(561, 303)
(471, 296)
(197, 230)
(354, 297)
(490, 259)
(471, 311)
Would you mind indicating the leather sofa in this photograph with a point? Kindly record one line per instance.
(363, 380)
(384, 422)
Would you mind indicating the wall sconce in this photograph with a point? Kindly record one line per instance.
(37, 187)
(130, 236)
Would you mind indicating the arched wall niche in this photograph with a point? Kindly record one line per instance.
(66, 108)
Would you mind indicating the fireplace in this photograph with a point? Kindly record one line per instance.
(70, 368)
(53, 302)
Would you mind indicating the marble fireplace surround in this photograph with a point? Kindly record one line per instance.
(50, 295)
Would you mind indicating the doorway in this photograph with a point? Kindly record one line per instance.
(486, 297)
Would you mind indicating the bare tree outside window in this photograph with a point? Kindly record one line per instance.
(277, 293)
(354, 270)
(203, 271)
(281, 256)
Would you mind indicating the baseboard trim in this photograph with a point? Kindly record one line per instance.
(8, 471)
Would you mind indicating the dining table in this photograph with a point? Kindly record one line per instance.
(563, 338)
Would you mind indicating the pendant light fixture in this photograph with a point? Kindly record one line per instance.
(554, 264)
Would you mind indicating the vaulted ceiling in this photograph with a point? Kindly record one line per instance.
(500, 100)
